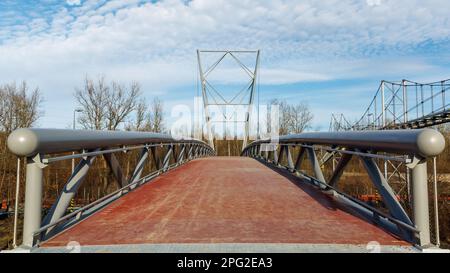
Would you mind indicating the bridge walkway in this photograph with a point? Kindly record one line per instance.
(224, 200)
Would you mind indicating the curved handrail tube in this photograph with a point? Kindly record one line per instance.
(31, 141)
(423, 142)
(419, 144)
(37, 144)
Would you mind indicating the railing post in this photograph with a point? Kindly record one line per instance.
(33, 199)
(420, 202)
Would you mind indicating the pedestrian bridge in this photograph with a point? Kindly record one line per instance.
(262, 201)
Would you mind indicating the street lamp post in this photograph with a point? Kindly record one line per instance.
(76, 110)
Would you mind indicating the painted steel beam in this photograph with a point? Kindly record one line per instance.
(424, 142)
(31, 141)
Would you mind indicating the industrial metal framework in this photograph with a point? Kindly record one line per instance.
(213, 97)
(412, 147)
(37, 145)
(339, 123)
(402, 105)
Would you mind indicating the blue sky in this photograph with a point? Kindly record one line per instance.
(331, 54)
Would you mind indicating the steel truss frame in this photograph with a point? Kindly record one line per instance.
(37, 145)
(208, 89)
(355, 144)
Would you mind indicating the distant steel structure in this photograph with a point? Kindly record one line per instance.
(213, 97)
(403, 105)
(339, 123)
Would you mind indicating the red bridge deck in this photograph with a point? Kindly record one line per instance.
(223, 200)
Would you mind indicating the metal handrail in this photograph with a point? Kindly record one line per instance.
(404, 159)
(97, 202)
(31, 141)
(362, 204)
(423, 142)
(107, 151)
(37, 145)
(415, 145)
(141, 181)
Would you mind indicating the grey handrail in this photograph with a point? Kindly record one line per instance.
(415, 145)
(31, 141)
(38, 145)
(423, 142)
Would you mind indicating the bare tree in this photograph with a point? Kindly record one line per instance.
(120, 103)
(148, 118)
(293, 119)
(93, 98)
(141, 113)
(106, 107)
(155, 117)
(300, 118)
(284, 113)
(19, 107)
(139, 122)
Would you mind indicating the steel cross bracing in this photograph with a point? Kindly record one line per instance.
(214, 97)
(394, 145)
(38, 146)
(400, 105)
(42, 147)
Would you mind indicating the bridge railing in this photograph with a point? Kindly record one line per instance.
(412, 147)
(42, 147)
(406, 104)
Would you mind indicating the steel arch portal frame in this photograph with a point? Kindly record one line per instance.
(206, 86)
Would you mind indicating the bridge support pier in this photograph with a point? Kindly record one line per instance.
(421, 212)
(33, 200)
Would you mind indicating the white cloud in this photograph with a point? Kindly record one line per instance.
(155, 43)
(73, 2)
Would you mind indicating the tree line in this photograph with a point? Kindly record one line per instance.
(117, 106)
(108, 106)
(19, 106)
(102, 105)
(293, 118)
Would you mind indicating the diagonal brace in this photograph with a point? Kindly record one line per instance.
(115, 168)
(77, 178)
(137, 173)
(385, 190)
(343, 162)
(315, 165)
